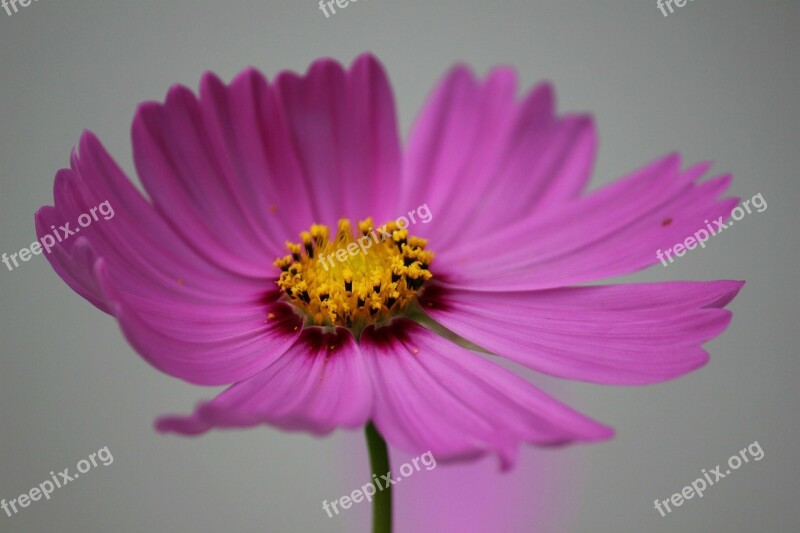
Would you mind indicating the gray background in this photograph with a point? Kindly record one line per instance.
(717, 80)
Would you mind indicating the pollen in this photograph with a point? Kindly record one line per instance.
(357, 277)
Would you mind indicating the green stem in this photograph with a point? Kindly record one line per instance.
(379, 463)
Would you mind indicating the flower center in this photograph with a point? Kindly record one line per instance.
(354, 282)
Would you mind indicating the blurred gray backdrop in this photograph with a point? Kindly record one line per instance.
(718, 79)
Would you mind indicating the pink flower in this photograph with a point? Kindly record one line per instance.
(191, 274)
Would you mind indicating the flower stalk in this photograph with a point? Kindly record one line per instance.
(379, 465)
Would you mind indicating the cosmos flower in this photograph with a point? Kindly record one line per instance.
(216, 276)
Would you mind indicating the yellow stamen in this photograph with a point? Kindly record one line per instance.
(354, 281)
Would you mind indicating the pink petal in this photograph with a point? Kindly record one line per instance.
(617, 334)
(192, 188)
(201, 344)
(343, 129)
(187, 316)
(244, 167)
(135, 242)
(319, 384)
(493, 158)
(433, 395)
(613, 231)
(249, 138)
